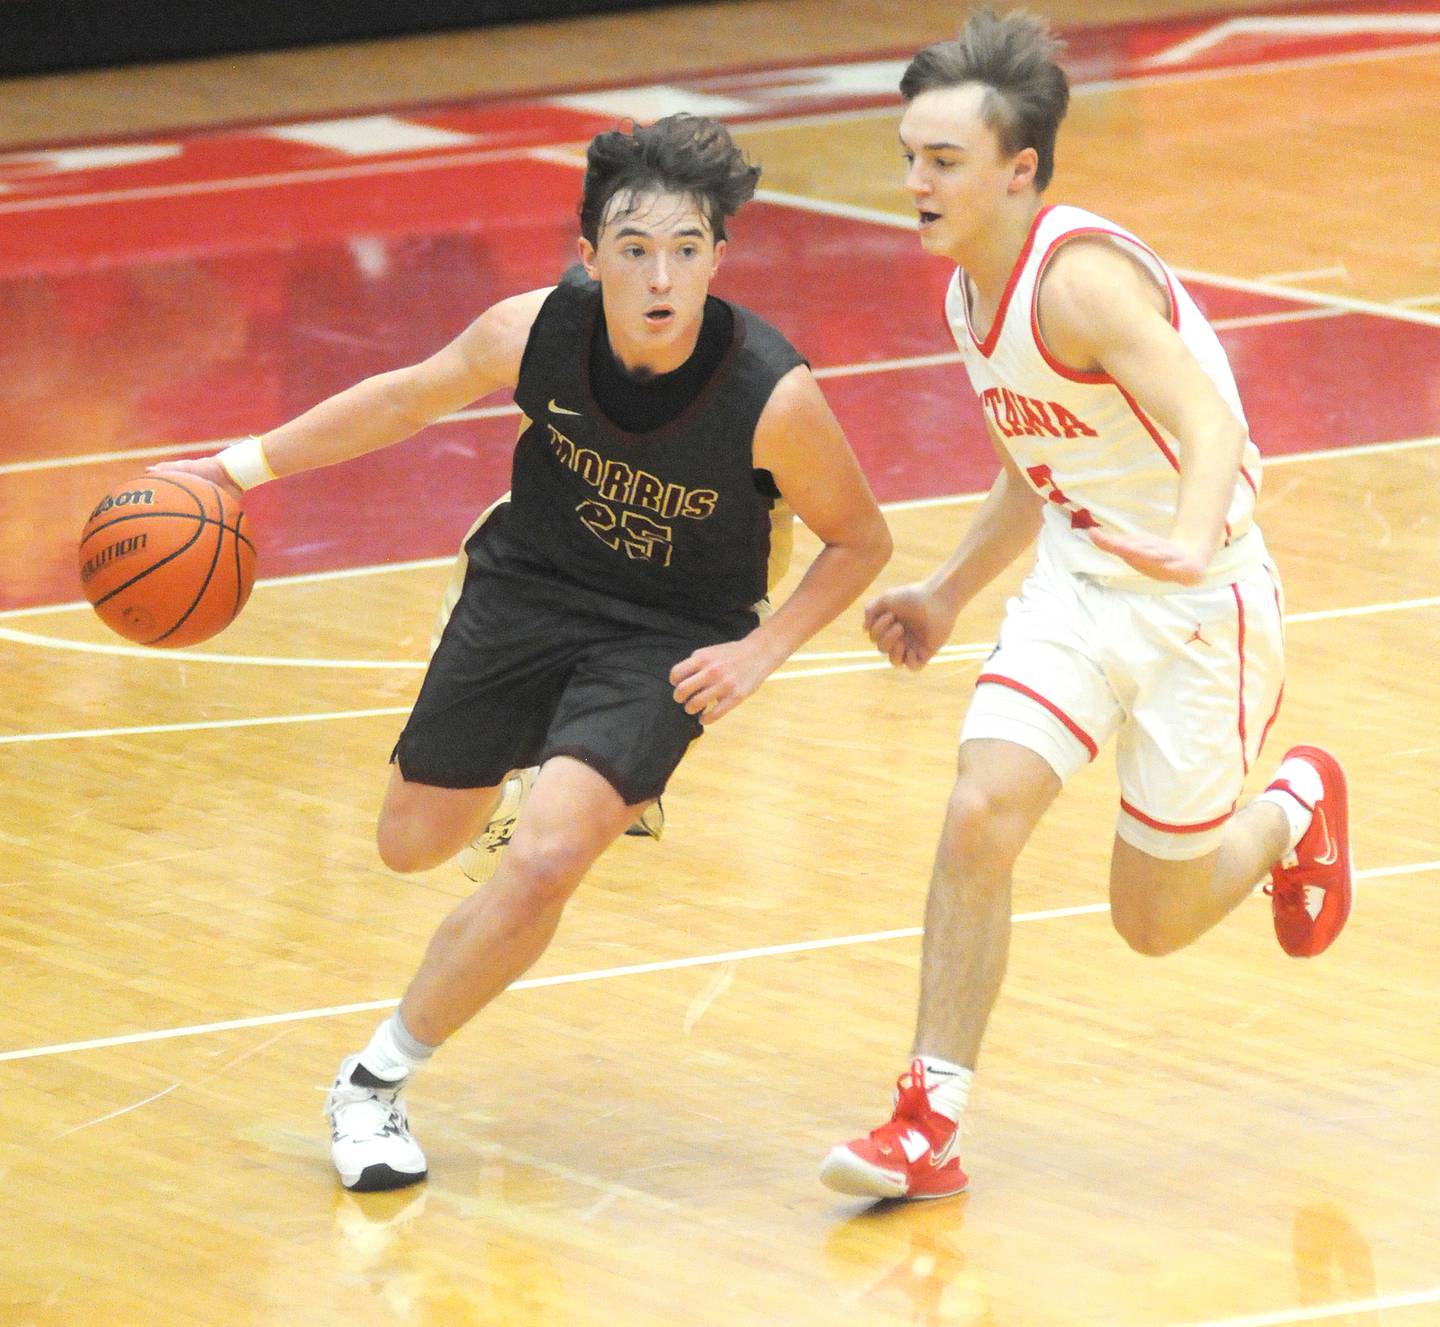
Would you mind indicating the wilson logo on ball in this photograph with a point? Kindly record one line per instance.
(127, 499)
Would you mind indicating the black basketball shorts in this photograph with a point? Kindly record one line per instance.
(528, 668)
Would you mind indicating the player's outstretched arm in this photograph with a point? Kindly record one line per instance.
(1100, 310)
(800, 442)
(386, 408)
(910, 623)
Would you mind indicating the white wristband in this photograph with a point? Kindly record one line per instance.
(245, 463)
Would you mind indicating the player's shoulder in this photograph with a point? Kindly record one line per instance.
(1081, 247)
(762, 339)
(494, 344)
(1090, 277)
(519, 310)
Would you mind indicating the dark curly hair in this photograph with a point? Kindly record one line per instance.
(1015, 59)
(681, 154)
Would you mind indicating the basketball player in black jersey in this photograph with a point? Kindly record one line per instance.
(609, 609)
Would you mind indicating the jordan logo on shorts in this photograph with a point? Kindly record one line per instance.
(1196, 636)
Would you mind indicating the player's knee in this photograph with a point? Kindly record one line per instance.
(548, 869)
(404, 849)
(1144, 929)
(978, 825)
(1144, 937)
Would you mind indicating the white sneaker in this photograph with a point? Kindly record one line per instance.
(480, 859)
(370, 1140)
(650, 823)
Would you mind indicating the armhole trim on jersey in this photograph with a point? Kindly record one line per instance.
(1165, 449)
(1155, 267)
(1149, 426)
(531, 338)
(992, 337)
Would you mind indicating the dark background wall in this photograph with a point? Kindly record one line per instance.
(40, 36)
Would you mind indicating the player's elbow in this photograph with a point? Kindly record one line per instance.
(401, 399)
(878, 544)
(871, 553)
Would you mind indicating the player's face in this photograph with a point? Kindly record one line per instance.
(654, 260)
(957, 173)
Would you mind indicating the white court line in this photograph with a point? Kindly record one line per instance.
(1403, 310)
(1309, 274)
(865, 661)
(807, 119)
(383, 569)
(603, 974)
(1309, 25)
(201, 725)
(269, 180)
(555, 151)
(200, 656)
(829, 664)
(1361, 610)
(1320, 1312)
(114, 1114)
(298, 578)
(1296, 294)
(905, 504)
(1273, 319)
(1360, 449)
(209, 446)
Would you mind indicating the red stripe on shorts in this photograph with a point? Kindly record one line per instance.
(1173, 829)
(1076, 731)
(1240, 690)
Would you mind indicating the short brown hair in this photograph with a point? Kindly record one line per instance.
(681, 154)
(1015, 59)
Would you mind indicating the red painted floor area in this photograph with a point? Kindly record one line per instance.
(186, 290)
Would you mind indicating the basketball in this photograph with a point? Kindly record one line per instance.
(166, 560)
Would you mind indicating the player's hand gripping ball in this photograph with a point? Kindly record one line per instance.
(167, 560)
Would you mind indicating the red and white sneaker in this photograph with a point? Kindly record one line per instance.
(910, 1156)
(1310, 889)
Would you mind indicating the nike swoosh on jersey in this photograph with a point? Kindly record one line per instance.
(560, 409)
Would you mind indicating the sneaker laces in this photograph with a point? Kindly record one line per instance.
(912, 1103)
(378, 1110)
(1297, 894)
(1288, 893)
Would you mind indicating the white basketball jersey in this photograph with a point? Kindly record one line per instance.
(1081, 440)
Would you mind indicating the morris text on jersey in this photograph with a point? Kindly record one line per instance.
(632, 487)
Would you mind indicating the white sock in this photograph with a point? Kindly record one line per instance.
(948, 1086)
(393, 1052)
(1298, 806)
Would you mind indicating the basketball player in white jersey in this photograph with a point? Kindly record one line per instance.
(1152, 614)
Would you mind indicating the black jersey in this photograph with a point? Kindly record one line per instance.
(677, 518)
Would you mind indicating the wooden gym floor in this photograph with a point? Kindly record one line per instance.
(194, 923)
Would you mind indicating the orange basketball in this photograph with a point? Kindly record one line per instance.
(167, 560)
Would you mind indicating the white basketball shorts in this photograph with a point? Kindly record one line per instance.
(1187, 681)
